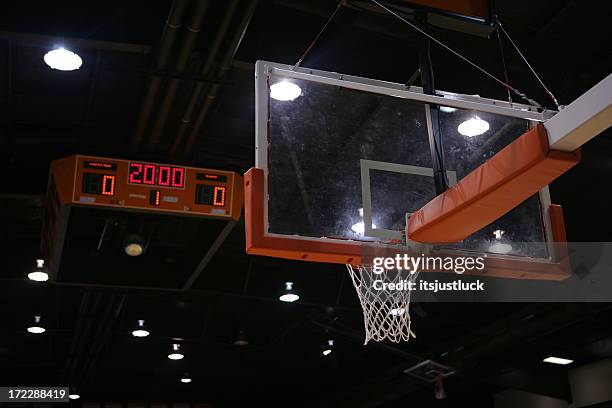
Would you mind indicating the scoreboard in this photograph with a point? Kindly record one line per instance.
(139, 185)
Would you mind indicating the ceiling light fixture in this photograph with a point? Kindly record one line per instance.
(36, 328)
(285, 91)
(175, 354)
(186, 379)
(558, 360)
(473, 127)
(63, 59)
(39, 274)
(447, 109)
(134, 245)
(74, 396)
(328, 347)
(289, 295)
(241, 340)
(140, 331)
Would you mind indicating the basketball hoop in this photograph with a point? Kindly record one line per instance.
(386, 312)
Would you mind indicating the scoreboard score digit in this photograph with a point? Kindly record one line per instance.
(156, 175)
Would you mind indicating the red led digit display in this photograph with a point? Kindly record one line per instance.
(219, 196)
(108, 185)
(135, 173)
(149, 174)
(164, 176)
(156, 175)
(178, 177)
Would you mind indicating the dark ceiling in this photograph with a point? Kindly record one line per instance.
(101, 110)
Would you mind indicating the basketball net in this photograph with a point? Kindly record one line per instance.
(386, 313)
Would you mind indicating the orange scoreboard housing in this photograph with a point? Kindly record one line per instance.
(138, 185)
(177, 215)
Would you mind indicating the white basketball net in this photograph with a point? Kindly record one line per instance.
(386, 313)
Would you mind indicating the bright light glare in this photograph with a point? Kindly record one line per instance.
(359, 228)
(500, 248)
(327, 352)
(134, 249)
(38, 276)
(74, 396)
(186, 380)
(558, 360)
(36, 329)
(397, 311)
(473, 127)
(140, 333)
(447, 109)
(285, 91)
(288, 297)
(175, 356)
(63, 60)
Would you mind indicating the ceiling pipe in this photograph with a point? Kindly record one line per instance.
(206, 68)
(171, 29)
(225, 66)
(187, 45)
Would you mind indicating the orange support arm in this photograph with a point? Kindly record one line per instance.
(507, 179)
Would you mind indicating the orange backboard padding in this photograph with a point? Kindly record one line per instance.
(514, 174)
(258, 242)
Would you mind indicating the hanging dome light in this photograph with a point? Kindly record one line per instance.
(134, 245)
(473, 127)
(328, 347)
(63, 59)
(36, 328)
(289, 295)
(285, 91)
(241, 340)
(39, 274)
(186, 378)
(140, 331)
(175, 354)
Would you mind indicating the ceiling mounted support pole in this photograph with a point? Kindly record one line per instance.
(433, 122)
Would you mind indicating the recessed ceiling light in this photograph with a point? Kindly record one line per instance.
(36, 328)
(186, 379)
(175, 354)
(39, 274)
(328, 347)
(285, 91)
(289, 296)
(473, 127)
(558, 360)
(74, 396)
(63, 60)
(140, 330)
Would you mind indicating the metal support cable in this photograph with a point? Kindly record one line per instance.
(548, 92)
(312, 44)
(457, 54)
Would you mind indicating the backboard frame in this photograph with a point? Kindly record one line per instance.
(333, 250)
